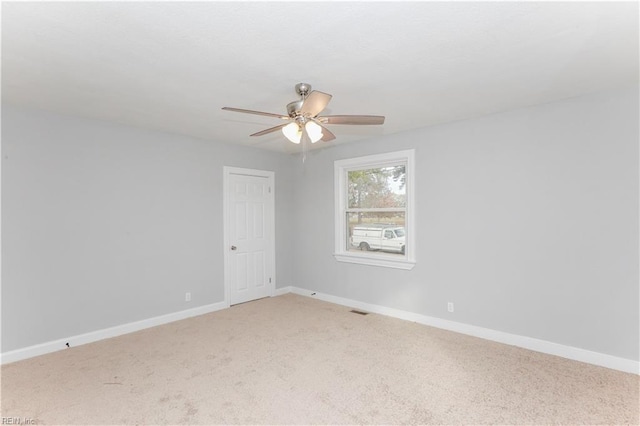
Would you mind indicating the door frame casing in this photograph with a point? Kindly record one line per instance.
(227, 171)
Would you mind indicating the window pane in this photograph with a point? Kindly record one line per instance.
(381, 232)
(380, 187)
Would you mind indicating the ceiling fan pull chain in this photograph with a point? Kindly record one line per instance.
(304, 149)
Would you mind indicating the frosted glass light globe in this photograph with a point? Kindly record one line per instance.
(292, 132)
(314, 131)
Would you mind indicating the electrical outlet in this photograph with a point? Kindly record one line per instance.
(187, 297)
(450, 306)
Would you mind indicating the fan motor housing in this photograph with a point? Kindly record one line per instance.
(293, 108)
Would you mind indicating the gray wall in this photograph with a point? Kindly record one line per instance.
(103, 225)
(526, 220)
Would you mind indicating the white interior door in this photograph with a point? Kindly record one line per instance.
(249, 230)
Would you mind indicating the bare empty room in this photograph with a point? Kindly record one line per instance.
(320, 213)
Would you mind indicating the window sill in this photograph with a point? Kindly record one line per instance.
(385, 262)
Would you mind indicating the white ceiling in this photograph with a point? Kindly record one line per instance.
(172, 65)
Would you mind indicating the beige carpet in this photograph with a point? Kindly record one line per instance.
(296, 360)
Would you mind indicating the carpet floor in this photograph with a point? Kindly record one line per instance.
(296, 360)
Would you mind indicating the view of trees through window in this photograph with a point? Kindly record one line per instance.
(376, 209)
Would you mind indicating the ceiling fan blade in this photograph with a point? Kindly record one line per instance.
(248, 111)
(269, 130)
(327, 135)
(314, 103)
(352, 119)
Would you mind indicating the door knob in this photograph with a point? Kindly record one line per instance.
(233, 247)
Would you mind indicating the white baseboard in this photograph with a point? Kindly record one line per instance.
(283, 290)
(576, 354)
(94, 336)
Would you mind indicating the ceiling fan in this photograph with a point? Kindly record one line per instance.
(303, 121)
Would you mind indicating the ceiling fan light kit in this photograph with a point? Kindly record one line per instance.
(303, 119)
(293, 131)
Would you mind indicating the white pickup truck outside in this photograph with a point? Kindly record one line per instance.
(381, 237)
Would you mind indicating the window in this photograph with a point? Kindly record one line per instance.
(374, 210)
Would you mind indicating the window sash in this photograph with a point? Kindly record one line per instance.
(380, 165)
(376, 209)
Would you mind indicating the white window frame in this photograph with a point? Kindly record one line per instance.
(341, 168)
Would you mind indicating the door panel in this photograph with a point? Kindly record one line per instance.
(241, 271)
